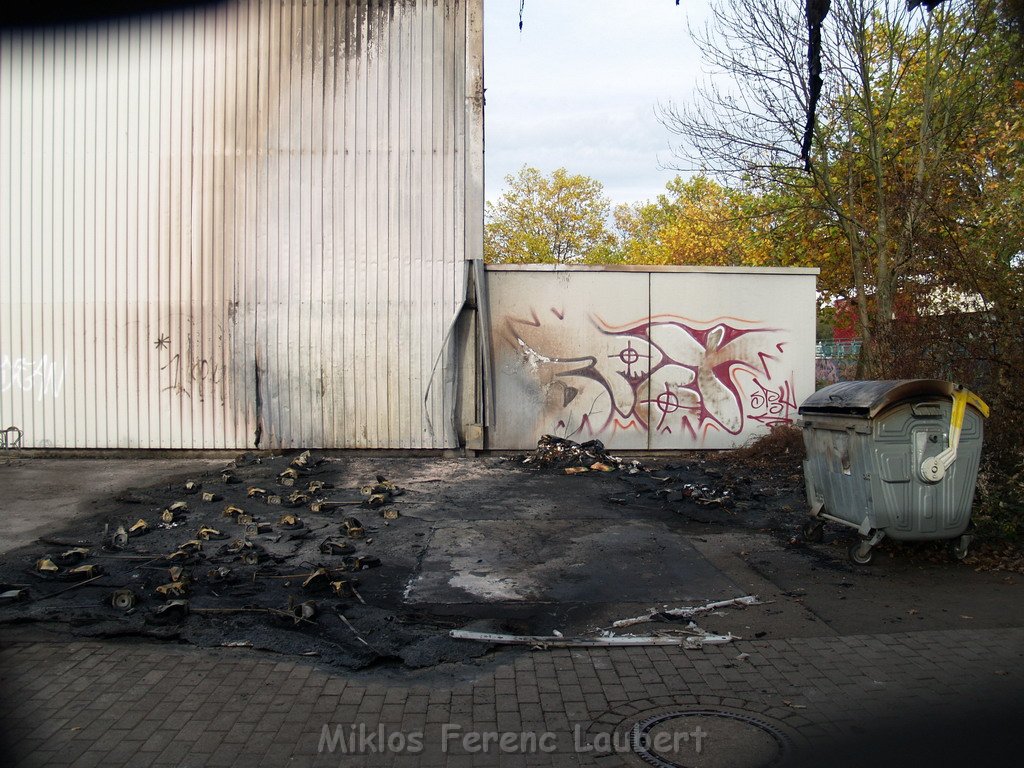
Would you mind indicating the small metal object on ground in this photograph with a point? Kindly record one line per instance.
(232, 511)
(85, 572)
(361, 563)
(251, 557)
(316, 579)
(255, 528)
(327, 506)
(173, 589)
(219, 574)
(304, 611)
(123, 599)
(72, 556)
(335, 547)
(210, 534)
(120, 538)
(291, 522)
(46, 565)
(352, 528)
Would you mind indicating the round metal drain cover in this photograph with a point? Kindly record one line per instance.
(708, 738)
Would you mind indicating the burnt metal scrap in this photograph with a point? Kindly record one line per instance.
(676, 487)
(575, 458)
(686, 612)
(692, 638)
(208, 573)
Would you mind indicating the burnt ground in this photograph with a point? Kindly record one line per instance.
(490, 544)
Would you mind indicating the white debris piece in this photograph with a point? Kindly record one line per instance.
(554, 641)
(690, 611)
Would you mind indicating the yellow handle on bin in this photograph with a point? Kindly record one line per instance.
(934, 468)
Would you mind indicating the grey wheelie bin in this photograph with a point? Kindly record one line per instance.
(892, 458)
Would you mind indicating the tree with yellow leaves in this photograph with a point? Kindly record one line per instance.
(904, 93)
(561, 218)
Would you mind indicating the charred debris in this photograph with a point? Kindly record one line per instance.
(285, 554)
(705, 487)
(266, 553)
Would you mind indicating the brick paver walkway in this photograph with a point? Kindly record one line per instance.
(113, 704)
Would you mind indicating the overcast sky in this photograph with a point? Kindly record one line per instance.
(579, 85)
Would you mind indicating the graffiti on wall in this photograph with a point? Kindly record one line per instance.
(664, 374)
(188, 369)
(42, 376)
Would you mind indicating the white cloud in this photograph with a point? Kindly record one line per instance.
(578, 88)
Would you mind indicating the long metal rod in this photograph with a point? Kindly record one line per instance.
(68, 589)
(554, 641)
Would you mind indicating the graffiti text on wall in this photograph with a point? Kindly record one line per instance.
(42, 376)
(190, 370)
(665, 374)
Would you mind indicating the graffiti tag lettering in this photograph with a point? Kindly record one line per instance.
(188, 371)
(43, 376)
(772, 406)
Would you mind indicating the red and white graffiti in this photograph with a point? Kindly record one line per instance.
(666, 373)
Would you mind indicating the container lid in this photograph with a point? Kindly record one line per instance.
(868, 398)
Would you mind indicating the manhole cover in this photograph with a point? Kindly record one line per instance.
(708, 738)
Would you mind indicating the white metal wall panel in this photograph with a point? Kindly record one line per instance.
(666, 359)
(244, 221)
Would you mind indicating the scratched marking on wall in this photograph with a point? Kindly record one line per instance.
(42, 376)
(667, 375)
(187, 369)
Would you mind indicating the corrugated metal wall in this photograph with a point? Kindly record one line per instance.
(242, 223)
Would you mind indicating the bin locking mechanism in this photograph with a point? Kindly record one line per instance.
(934, 468)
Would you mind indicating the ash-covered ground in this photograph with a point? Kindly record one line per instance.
(235, 557)
(526, 545)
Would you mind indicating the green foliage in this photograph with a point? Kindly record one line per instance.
(559, 218)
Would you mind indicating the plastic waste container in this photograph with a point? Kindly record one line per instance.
(892, 458)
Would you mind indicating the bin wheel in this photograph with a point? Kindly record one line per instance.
(958, 548)
(859, 558)
(813, 531)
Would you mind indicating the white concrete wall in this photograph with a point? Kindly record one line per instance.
(675, 358)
